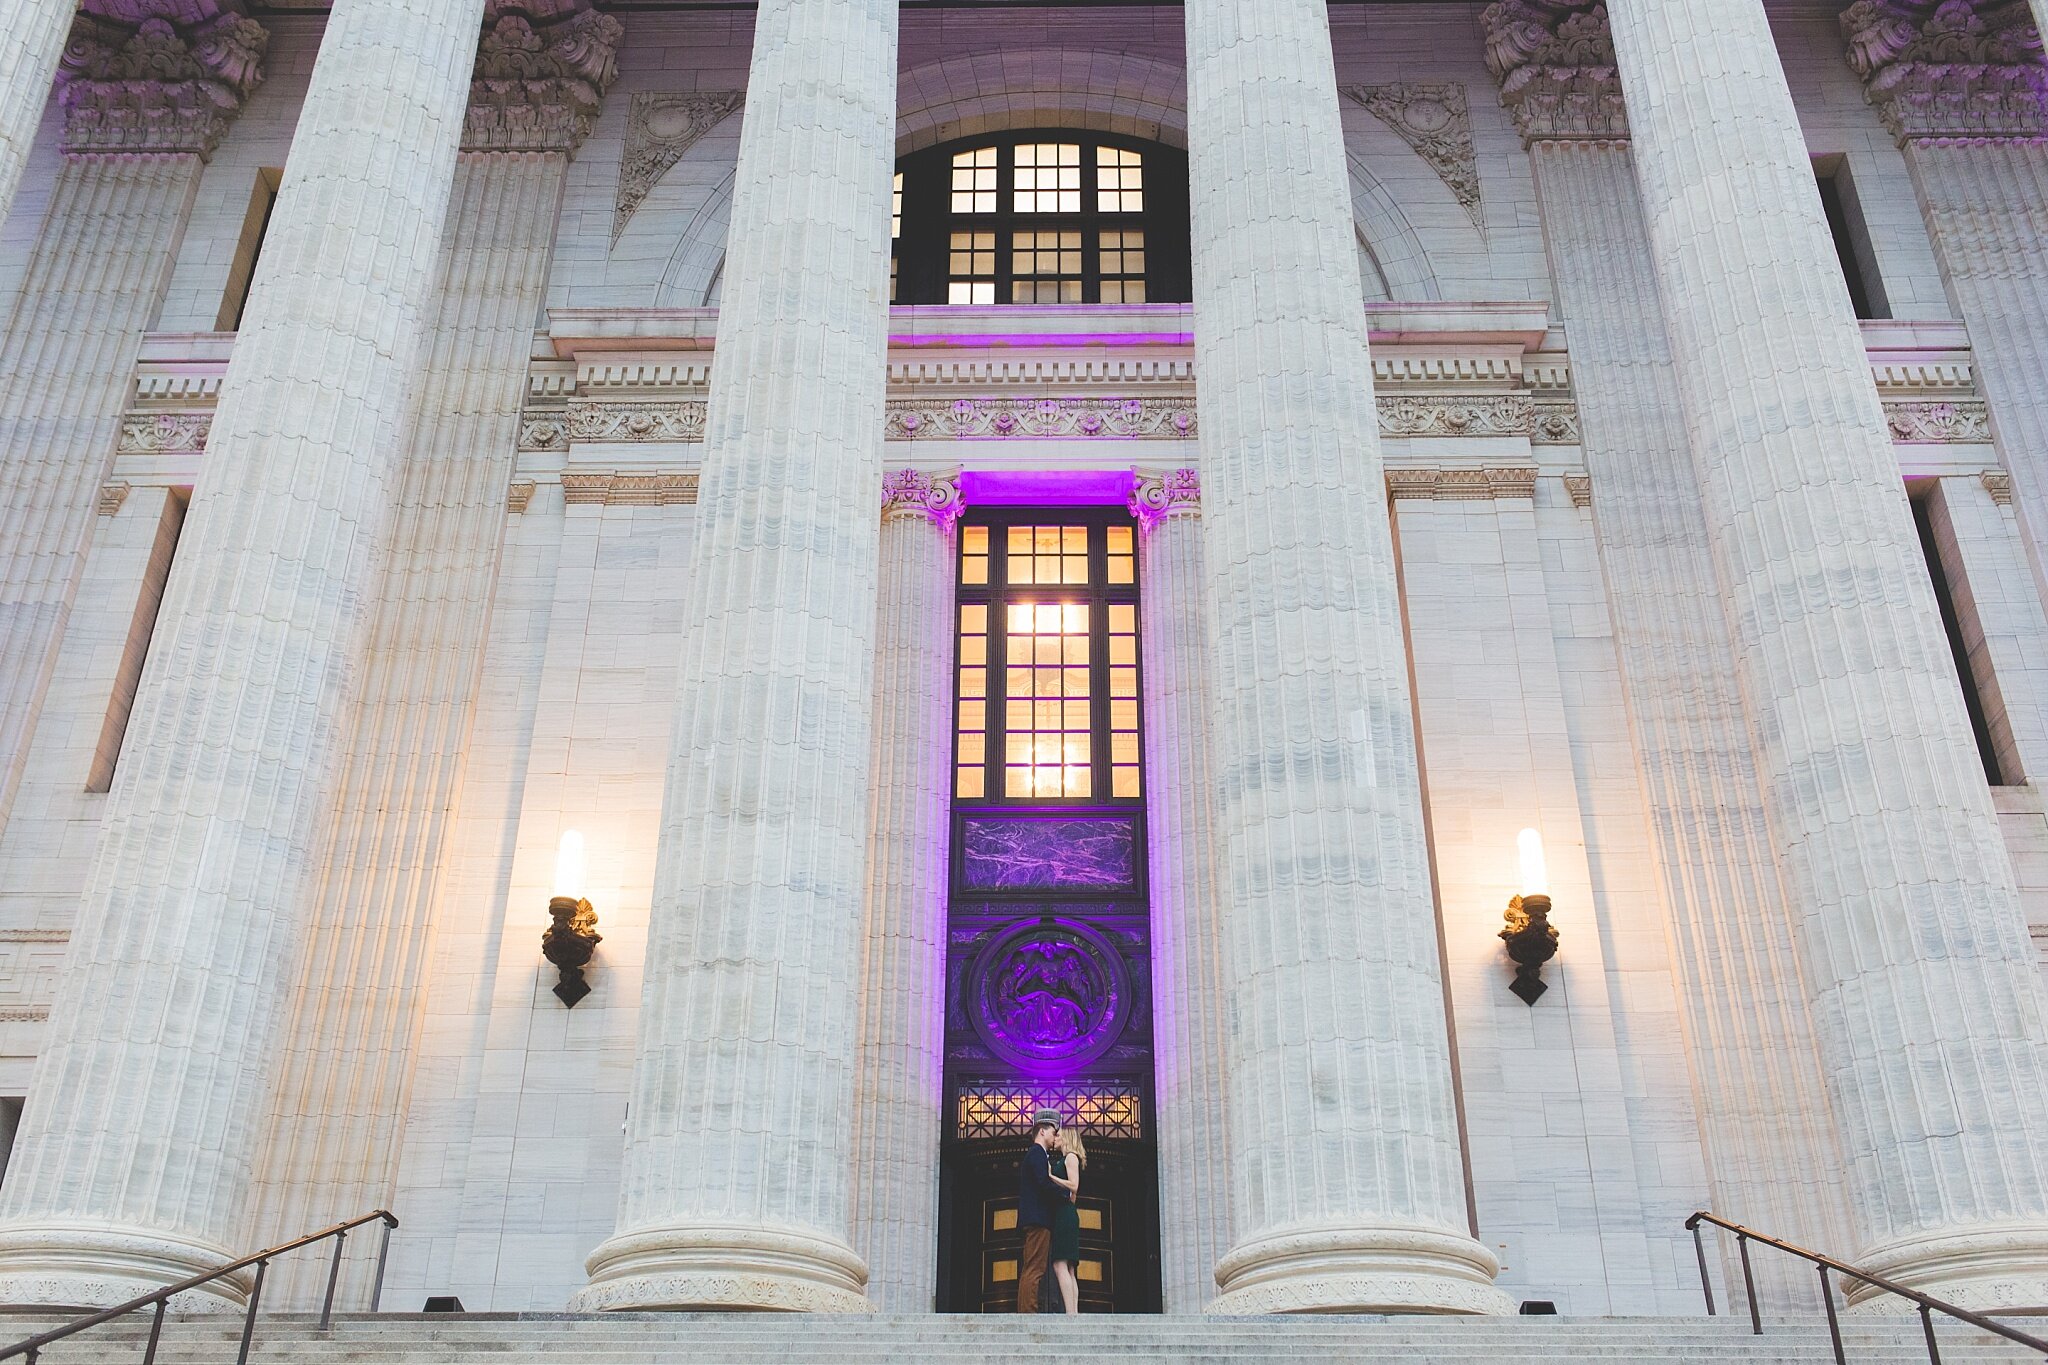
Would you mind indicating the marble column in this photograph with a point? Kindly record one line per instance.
(1348, 1187)
(1927, 1004)
(144, 105)
(737, 1179)
(1773, 1156)
(1964, 91)
(1187, 949)
(138, 1143)
(32, 36)
(899, 1103)
(333, 1145)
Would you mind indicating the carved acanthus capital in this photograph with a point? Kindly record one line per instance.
(157, 75)
(915, 493)
(1554, 60)
(1157, 497)
(542, 70)
(1950, 69)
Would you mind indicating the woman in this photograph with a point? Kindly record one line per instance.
(1069, 1156)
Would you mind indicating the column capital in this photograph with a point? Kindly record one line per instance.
(1950, 69)
(1554, 60)
(159, 76)
(913, 492)
(1160, 496)
(542, 70)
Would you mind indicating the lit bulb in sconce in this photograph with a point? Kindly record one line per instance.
(571, 938)
(1531, 938)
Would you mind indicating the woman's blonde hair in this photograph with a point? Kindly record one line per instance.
(1070, 1143)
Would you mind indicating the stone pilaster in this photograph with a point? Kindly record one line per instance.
(1348, 1187)
(1913, 941)
(334, 1140)
(1188, 1005)
(143, 104)
(1773, 1156)
(31, 40)
(736, 1186)
(133, 1165)
(903, 944)
(1962, 87)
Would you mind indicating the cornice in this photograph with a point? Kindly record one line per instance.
(542, 70)
(1554, 60)
(157, 76)
(1950, 70)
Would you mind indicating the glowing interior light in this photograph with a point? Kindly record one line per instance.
(569, 865)
(1535, 871)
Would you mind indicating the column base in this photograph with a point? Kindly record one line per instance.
(1335, 1269)
(58, 1265)
(1996, 1268)
(711, 1267)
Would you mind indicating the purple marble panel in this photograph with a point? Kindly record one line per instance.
(1098, 853)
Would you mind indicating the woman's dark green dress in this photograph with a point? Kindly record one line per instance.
(1066, 1222)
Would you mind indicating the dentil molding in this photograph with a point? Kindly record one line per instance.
(1950, 69)
(541, 75)
(159, 76)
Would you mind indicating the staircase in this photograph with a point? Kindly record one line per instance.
(733, 1339)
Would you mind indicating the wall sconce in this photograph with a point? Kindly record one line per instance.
(573, 937)
(1530, 936)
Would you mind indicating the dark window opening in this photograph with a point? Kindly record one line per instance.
(1057, 216)
(1965, 640)
(1852, 238)
(248, 250)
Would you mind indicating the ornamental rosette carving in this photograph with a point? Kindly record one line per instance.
(659, 129)
(978, 419)
(1508, 414)
(164, 433)
(1554, 60)
(1950, 69)
(915, 493)
(1939, 422)
(1436, 121)
(635, 422)
(164, 76)
(1160, 497)
(542, 70)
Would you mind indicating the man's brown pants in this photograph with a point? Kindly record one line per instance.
(1031, 1270)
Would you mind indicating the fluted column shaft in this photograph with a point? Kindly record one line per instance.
(1773, 1155)
(95, 279)
(136, 1153)
(737, 1183)
(31, 40)
(1348, 1190)
(1927, 1005)
(1188, 1005)
(900, 1101)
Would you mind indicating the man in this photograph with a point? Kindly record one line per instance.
(1036, 1195)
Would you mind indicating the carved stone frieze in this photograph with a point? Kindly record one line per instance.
(635, 422)
(1506, 414)
(630, 490)
(1554, 60)
(915, 493)
(972, 419)
(542, 70)
(1158, 497)
(659, 129)
(164, 433)
(1436, 121)
(1462, 485)
(1939, 422)
(1950, 69)
(158, 75)
(1554, 424)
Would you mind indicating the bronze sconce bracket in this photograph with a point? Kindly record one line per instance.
(1532, 941)
(569, 943)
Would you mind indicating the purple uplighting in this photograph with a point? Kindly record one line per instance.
(1094, 853)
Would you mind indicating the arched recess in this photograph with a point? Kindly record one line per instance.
(1388, 245)
(987, 92)
(690, 277)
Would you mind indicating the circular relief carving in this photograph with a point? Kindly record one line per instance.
(1049, 991)
(1426, 116)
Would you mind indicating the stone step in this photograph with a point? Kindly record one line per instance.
(728, 1339)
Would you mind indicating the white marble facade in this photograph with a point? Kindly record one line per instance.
(316, 635)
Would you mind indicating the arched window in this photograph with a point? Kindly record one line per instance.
(1048, 216)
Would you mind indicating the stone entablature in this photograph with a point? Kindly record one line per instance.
(1554, 60)
(1950, 69)
(163, 76)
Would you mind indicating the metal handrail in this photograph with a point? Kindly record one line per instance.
(1928, 1304)
(33, 1346)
